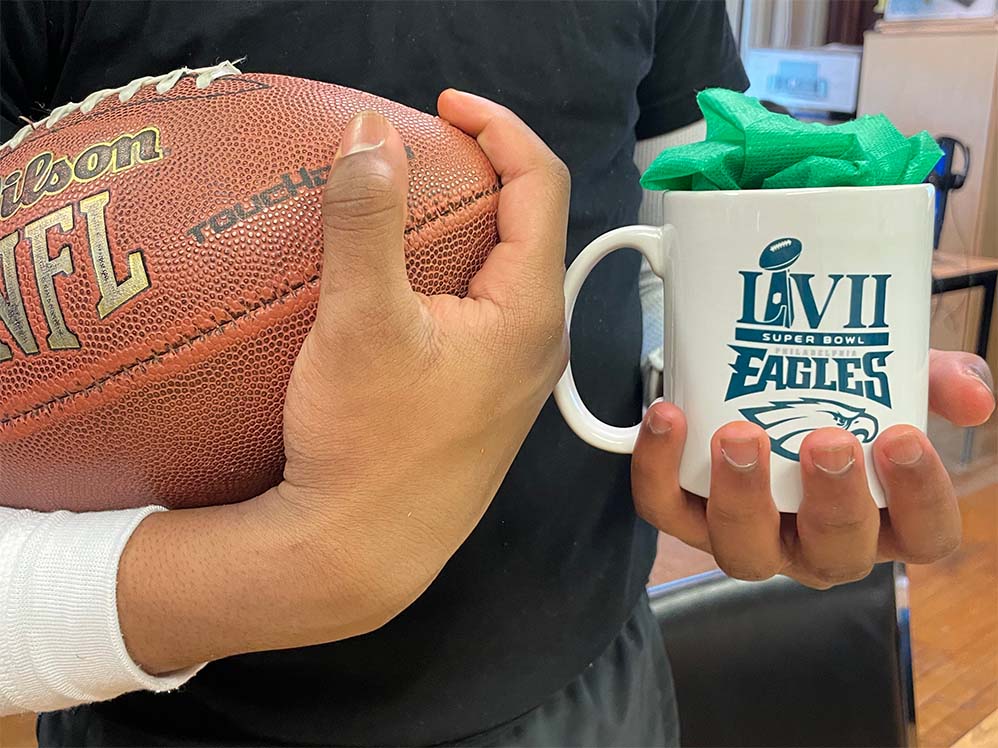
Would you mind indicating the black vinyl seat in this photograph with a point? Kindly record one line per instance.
(777, 664)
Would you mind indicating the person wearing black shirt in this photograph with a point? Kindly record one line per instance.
(556, 570)
(537, 631)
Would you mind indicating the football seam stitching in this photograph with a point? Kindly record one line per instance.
(169, 349)
(262, 305)
(453, 207)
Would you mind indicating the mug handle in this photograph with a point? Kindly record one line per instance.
(655, 244)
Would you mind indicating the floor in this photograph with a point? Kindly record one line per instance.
(17, 732)
(954, 605)
(985, 735)
(954, 622)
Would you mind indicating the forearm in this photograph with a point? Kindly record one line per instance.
(200, 584)
(84, 597)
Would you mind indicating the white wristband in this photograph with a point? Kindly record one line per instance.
(60, 640)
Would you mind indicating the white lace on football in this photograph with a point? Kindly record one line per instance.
(163, 84)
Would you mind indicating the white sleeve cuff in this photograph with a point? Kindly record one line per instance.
(60, 640)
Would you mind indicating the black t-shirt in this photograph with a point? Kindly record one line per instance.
(551, 573)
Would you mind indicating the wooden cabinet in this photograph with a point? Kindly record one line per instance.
(945, 83)
(945, 80)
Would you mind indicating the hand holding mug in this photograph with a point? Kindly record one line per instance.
(797, 360)
(838, 532)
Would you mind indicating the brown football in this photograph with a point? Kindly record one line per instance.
(160, 254)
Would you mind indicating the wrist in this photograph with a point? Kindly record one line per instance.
(200, 584)
(356, 561)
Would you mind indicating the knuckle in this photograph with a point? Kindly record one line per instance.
(753, 571)
(843, 525)
(559, 175)
(556, 360)
(544, 323)
(832, 576)
(554, 337)
(379, 335)
(537, 332)
(656, 512)
(814, 583)
(368, 196)
(921, 557)
(949, 545)
(728, 516)
(505, 116)
(650, 512)
(930, 501)
(658, 499)
(934, 551)
(838, 522)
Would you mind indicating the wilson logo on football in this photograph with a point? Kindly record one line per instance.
(45, 176)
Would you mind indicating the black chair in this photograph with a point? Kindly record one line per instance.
(777, 664)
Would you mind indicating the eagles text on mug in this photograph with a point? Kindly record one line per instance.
(787, 342)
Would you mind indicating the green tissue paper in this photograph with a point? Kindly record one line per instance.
(750, 148)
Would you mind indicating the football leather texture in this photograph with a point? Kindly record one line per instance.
(160, 257)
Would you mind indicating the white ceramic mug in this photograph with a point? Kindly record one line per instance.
(794, 309)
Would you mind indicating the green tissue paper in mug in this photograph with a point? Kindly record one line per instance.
(748, 148)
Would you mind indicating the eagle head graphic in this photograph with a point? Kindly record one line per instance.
(787, 422)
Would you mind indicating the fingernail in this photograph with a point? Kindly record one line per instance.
(741, 454)
(365, 132)
(834, 460)
(981, 372)
(658, 423)
(904, 450)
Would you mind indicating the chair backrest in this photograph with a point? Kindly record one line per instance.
(777, 664)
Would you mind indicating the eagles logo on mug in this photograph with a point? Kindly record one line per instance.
(793, 309)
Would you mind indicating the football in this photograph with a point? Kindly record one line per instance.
(780, 254)
(160, 256)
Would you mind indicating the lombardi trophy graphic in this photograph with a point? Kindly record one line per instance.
(777, 257)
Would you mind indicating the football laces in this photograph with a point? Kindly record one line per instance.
(163, 83)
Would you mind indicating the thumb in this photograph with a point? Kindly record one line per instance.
(363, 219)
